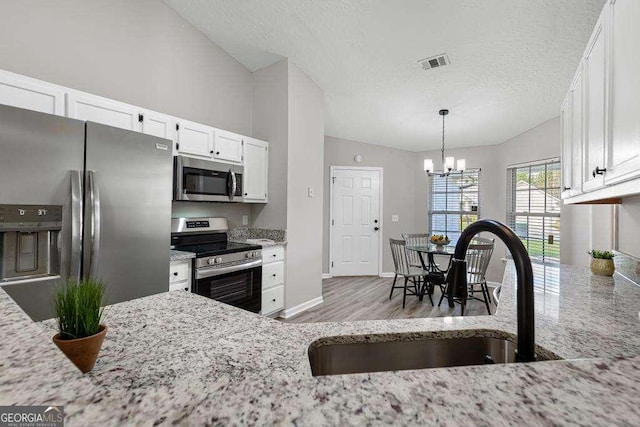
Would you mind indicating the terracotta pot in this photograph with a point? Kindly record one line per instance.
(83, 352)
(602, 267)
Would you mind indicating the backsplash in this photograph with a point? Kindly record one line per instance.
(245, 233)
(628, 266)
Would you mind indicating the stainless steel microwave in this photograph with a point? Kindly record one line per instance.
(206, 181)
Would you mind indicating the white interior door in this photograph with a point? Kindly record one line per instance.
(356, 222)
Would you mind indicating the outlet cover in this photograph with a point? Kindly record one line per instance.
(395, 218)
(245, 219)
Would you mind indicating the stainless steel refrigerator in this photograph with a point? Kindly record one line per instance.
(80, 199)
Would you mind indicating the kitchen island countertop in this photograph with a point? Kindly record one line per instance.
(161, 363)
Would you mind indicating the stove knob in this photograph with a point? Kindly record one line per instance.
(211, 261)
(248, 255)
(218, 260)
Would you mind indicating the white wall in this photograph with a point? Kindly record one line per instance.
(398, 186)
(305, 171)
(139, 52)
(271, 123)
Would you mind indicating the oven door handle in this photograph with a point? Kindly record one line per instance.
(203, 273)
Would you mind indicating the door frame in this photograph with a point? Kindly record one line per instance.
(381, 231)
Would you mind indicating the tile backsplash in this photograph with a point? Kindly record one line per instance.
(628, 266)
(244, 233)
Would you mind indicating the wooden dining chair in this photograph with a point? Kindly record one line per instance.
(478, 256)
(415, 240)
(412, 275)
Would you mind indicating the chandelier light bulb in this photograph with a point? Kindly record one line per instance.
(462, 164)
(449, 163)
(428, 165)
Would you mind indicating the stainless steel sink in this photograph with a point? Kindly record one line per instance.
(375, 355)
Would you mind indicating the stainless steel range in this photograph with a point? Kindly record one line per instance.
(228, 272)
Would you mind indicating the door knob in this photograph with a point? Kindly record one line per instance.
(376, 228)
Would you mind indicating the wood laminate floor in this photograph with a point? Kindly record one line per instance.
(367, 298)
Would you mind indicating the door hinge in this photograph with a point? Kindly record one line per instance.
(332, 222)
(140, 117)
(331, 263)
(177, 145)
(177, 126)
(333, 179)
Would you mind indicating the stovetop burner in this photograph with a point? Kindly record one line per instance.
(216, 248)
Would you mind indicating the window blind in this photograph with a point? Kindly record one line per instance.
(533, 208)
(454, 202)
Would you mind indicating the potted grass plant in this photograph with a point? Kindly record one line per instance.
(602, 262)
(79, 308)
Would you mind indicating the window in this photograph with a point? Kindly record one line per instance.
(533, 208)
(454, 203)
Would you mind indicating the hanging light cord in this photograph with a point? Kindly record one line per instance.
(443, 165)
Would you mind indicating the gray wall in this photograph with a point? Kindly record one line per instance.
(139, 52)
(398, 190)
(629, 226)
(271, 123)
(305, 170)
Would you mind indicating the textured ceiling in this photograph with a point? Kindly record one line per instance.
(511, 60)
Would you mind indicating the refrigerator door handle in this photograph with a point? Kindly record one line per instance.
(234, 184)
(94, 228)
(76, 225)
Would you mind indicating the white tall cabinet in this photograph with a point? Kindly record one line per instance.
(256, 170)
(603, 161)
(624, 53)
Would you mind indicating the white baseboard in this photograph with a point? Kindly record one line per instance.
(326, 275)
(493, 284)
(388, 274)
(290, 312)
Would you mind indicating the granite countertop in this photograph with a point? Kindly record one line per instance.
(161, 364)
(180, 255)
(263, 244)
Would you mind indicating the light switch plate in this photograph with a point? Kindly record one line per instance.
(395, 218)
(245, 219)
(310, 191)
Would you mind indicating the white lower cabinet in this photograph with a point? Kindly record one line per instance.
(272, 280)
(180, 275)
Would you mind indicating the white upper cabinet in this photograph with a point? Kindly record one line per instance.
(30, 94)
(157, 124)
(577, 134)
(92, 108)
(227, 146)
(595, 102)
(566, 124)
(256, 161)
(624, 132)
(195, 140)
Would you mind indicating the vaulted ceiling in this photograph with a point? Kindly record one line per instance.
(511, 60)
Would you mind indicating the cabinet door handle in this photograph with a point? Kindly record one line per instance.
(274, 274)
(175, 274)
(217, 153)
(274, 300)
(599, 171)
(566, 188)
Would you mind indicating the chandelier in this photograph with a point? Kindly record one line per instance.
(447, 162)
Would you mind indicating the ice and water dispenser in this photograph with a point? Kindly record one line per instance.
(30, 242)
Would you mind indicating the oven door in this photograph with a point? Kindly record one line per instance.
(238, 285)
(202, 180)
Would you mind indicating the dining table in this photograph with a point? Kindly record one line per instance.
(431, 250)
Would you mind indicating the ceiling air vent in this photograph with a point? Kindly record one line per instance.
(435, 61)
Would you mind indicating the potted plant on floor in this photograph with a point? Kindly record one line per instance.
(602, 262)
(78, 307)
